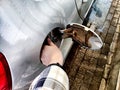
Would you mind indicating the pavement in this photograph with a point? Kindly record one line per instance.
(98, 70)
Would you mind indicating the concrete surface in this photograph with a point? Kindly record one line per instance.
(98, 70)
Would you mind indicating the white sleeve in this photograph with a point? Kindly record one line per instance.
(52, 78)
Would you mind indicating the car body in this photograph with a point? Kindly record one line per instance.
(24, 25)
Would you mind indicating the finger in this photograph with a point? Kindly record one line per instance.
(43, 49)
(50, 42)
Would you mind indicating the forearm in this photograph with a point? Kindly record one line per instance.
(52, 77)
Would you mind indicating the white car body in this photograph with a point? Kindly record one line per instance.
(24, 25)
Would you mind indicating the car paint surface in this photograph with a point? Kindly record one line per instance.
(24, 24)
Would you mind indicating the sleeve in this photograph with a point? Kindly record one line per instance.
(51, 78)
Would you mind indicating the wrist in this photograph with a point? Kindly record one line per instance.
(59, 61)
(57, 64)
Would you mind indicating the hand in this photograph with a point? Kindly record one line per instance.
(51, 54)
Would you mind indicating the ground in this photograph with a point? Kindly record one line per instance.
(98, 70)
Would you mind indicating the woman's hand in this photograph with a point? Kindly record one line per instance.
(51, 54)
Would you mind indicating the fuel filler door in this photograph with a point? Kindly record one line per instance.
(82, 35)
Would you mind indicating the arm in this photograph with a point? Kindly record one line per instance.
(53, 77)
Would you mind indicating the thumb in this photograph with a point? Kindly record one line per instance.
(50, 42)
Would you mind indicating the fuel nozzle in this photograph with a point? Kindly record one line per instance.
(83, 35)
